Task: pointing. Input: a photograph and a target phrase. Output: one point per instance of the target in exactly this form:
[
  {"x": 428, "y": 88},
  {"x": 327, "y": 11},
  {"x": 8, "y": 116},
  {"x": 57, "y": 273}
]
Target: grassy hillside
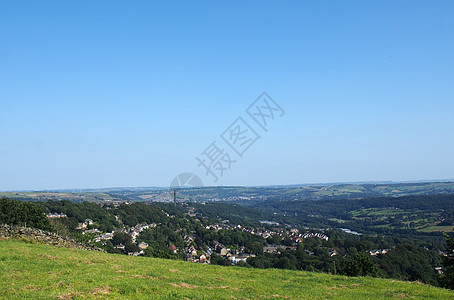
[{"x": 41, "y": 272}]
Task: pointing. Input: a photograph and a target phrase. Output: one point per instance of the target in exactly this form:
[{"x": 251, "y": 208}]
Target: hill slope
[{"x": 38, "y": 271}]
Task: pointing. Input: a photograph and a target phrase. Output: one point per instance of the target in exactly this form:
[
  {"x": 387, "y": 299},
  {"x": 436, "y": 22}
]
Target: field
[
  {"x": 35, "y": 271},
  {"x": 401, "y": 218}
]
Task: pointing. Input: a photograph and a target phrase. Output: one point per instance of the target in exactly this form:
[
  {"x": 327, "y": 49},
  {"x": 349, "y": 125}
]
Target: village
[{"x": 196, "y": 254}]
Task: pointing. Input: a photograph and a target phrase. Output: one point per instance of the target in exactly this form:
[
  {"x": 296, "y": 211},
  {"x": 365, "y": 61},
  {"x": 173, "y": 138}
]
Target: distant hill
[
  {"x": 35, "y": 271},
  {"x": 332, "y": 191}
]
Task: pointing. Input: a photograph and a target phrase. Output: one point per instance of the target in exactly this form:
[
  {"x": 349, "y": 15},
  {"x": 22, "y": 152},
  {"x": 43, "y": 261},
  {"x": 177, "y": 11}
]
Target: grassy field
[
  {"x": 437, "y": 228},
  {"x": 33, "y": 271}
]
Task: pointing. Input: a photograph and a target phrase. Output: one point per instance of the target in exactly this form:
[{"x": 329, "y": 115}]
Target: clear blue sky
[{"x": 112, "y": 93}]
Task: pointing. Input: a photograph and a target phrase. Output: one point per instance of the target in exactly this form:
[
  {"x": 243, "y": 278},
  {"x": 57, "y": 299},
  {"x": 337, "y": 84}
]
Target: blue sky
[{"x": 112, "y": 94}]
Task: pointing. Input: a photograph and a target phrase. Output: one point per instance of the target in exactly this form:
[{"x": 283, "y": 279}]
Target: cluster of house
[
  {"x": 56, "y": 215},
  {"x": 191, "y": 252},
  {"x": 136, "y": 230},
  {"x": 275, "y": 248},
  {"x": 99, "y": 236},
  {"x": 192, "y": 255},
  {"x": 114, "y": 203},
  {"x": 142, "y": 246},
  {"x": 85, "y": 224},
  {"x": 235, "y": 256},
  {"x": 378, "y": 251},
  {"x": 299, "y": 237},
  {"x": 201, "y": 256},
  {"x": 265, "y": 233}
]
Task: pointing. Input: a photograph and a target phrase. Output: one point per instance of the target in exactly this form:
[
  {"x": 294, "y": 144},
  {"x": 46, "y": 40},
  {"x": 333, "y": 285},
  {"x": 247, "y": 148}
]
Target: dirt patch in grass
[
  {"x": 279, "y": 296},
  {"x": 65, "y": 296},
  {"x": 31, "y": 288},
  {"x": 403, "y": 295},
  {"x": 400, "y": 295},
  {"x": 59, "y": 285},
  {"x": 223, "y": 287},
  {"x": 174, "y": 270},
  {"x": 142, "y": 276},
  {"x": 336, "y": 287},
  {"x": 104, "y": 290},
  {"x": 47, "y": 256},
  {"x": 184, "y": 285}
]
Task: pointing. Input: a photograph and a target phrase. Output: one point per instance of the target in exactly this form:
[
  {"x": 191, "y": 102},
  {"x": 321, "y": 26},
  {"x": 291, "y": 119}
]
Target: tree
[
  {"x": 255, "y": 248},
  {"x": 218, "y": 260},
  {"x": 131, "y": 247},
  {"x": 121, "y": 238},
  {"x": 447, "y": 279},
  {"x": 15, "y": 212},
  {"x": 274, "y": 239},
  {"x": 361, "y": 265}
]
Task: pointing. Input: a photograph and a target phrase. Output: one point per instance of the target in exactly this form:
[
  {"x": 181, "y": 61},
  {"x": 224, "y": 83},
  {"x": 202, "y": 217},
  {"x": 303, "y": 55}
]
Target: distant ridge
[{"x": 149, "y": 188}]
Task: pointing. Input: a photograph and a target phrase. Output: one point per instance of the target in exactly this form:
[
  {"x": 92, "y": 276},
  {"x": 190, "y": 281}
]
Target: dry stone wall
[{"x": 41, "y": 236}]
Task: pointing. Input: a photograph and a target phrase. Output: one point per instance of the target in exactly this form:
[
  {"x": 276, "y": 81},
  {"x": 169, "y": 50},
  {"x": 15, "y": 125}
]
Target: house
[
  {"x": 143, "y": 245},
  {"x": 56, "y": 215},
  {"x": 91, "y": 231},
  {"x": 271, "y": 249},
  {"x": 242, "y": 257},
  {"x": 107, "y": 236},
  {"x": 192, "y": 251},
  {"x": 380, "y": 251},
  {"x": 203, "y": 258},
  {"x": 221, "y": 249},
  {"x": 85, "y": 224},
  {"x": 173, "y": 248},
  {"x": 81, "y": 226},
  {"x": 224, "y": 251},
  {"x": 120, "y": 246}
]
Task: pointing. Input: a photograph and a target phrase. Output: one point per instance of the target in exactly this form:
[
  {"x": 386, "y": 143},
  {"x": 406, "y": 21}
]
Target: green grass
[
  {"x": 337, "y": 220},
  {"x": 34, "y": 271},
  {"x": 437, "y": 228}
]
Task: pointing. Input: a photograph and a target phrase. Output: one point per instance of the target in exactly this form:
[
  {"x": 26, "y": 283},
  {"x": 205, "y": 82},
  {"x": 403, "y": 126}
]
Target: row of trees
[{"x": 15, "y": 212}]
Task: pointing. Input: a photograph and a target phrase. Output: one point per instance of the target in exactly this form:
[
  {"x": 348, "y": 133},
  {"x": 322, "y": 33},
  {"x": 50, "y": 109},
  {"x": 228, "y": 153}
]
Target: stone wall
[{"x": 41, "y": 236}]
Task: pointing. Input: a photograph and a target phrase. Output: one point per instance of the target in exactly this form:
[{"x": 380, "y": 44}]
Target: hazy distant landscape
[{"x": 233, "y": 193}]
